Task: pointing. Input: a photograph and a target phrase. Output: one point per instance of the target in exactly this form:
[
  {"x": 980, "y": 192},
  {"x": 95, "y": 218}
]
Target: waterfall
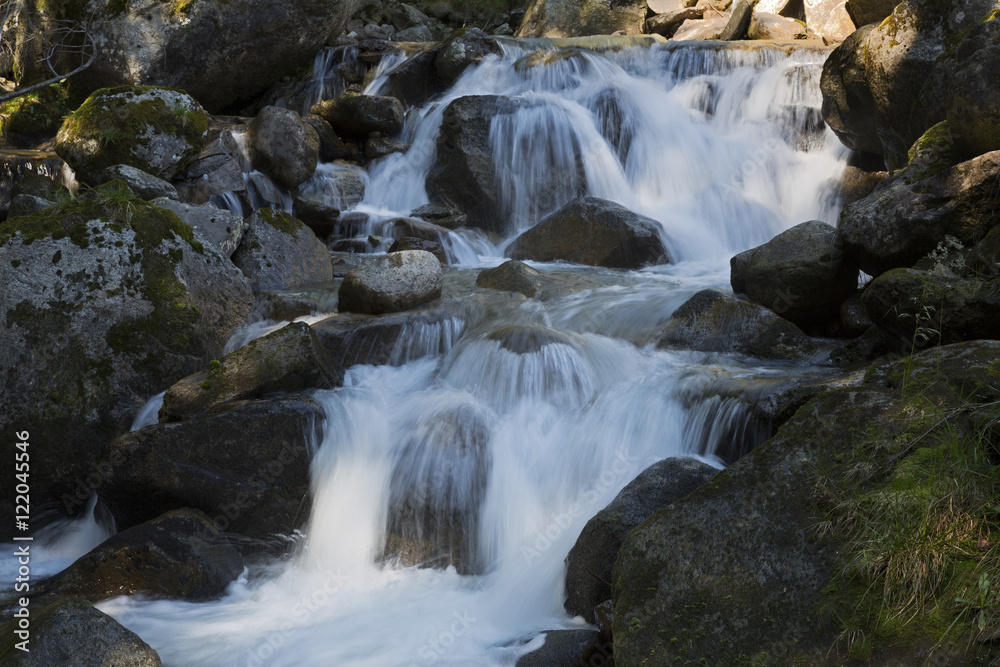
[{"x": 451, "y": 482}]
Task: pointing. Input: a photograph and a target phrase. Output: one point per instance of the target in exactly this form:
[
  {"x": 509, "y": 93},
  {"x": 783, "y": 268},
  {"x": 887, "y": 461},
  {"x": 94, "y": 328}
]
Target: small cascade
[
  {"x": 451, "y": 482},
  {"x": 333, "y": 69}
]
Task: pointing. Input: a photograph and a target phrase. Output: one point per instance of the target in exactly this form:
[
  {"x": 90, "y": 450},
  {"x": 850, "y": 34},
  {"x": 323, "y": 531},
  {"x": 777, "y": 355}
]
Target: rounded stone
[{"x": 390, "y": 283}]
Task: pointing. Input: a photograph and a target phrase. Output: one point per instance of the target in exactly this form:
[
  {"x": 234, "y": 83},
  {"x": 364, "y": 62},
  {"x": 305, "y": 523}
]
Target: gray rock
[
  {"x": 713, "y": 321},
  {"x": 568, "y": 648},
  {"x": 985, "y": 257},
  {"x": 245, "y": 464},
  {"x": 178, "y": 555},
  {"x": 418, "y": 33},
  {"x": 330, "y": 145},
  {"x": 223, "y": 54},
  {"x": 575, "y": 18},
  {"x": 739, "y": 22},
  {"x": 283, "y": 146},
  {"x": 848, "y": 105},
  {"x": 800, "y": 274},
  {"x": 279, "y": 252},
  {"x": 289, "y": 359},
  {"x": 223, "y": 229},
  {"x": 596, "y": 232},
  {"x": 515, "y": 276},
  {"x": 217, "y": 170},
  {"x": 413, "y": 243},
  {"x": 858, "y": 184},
  {"x": 592, "y": 558},
  {"x": 391, "y": 283},
  {"x": 107, "y": 299},
  {"x": 441, "y": 215},
  {"x": 974, "y": 114},
  {"x": 460, "y": 51},
  {"x": 912, "y": 210},
  {"x": 353, "y": 115},
  {"x": 738, "y": 557},
  {"x": 72, "y": 633},
  {"x": 157, "y": 130},
  {"x": 27, "y": 204},
  {"x": 378, "y": 147},
  {"x": 144, "y": 185},
  {"x": 404, "y": 16}
]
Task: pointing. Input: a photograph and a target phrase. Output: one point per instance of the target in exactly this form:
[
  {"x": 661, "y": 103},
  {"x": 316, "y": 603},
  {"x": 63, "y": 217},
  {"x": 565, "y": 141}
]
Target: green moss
[
  {"x": 207, "y": 384},
  {"x": 932, "y": 154},
  {"x": 119, "y": 119},
  {"x": 281, "y": 221}
]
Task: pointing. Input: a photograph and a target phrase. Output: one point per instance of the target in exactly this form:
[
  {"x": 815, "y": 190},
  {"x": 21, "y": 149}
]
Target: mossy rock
[
  {"x": 108, "y": 301},
  {"x": 157, "y": 130},
  {"x": 31, "y": 119}
]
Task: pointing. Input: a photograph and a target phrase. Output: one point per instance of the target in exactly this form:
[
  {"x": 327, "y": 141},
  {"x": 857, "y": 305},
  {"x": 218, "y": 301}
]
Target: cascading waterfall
[{"x": 492, "y": 438}]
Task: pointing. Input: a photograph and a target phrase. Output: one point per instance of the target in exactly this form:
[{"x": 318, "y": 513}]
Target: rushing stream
[{"x": 514, "y": 442}]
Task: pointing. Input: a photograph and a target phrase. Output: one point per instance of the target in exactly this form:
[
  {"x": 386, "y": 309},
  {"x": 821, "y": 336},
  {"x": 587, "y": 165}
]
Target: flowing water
[{"x": 498, "y": 433}]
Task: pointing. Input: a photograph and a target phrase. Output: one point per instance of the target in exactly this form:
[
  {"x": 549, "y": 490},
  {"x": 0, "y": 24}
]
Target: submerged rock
[
  {"x": 596, "y": 232},
  {"x": 713, "y": 321},
  {"x": 289, "y": 359},
  {"x": 515, "y": 276},
  {"x": 437, "y": 488},
  {"x": 71, "y": 633},
  {"x": 178, "y": 555},
  {"x": 390, "y": 283},
  {"x": 157, "y": 130},
  {"x": 245, "y": 464},
  {"x": 592, "y": 558},
  {"x": 283, "y": 146},
  {"x": 279, "y": 252},
  {"x": 800, "y": 274},
  {"x": 107, "y": 299},
  {"x": 385, "y": 339}
]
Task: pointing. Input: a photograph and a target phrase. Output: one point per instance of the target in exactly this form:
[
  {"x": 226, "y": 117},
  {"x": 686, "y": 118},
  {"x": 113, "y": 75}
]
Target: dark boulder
[
  {"x": 279, "y": 252},
  {"x": 713, "y": 321},
  {"x": 592, "y": 558},
  {"x": 287, "y": 360},
  {"x": 245, "y": 464},
  {"x": 462, "y": 50},
  {"x": 178, "y": 555},
  {"x": 800, "y": 274},
  {"x": 357, "y": 116},
  {"x": 569, "y": 648},
  {"x": 283, "y": 146},
  {"x": 596, "y": 232}
]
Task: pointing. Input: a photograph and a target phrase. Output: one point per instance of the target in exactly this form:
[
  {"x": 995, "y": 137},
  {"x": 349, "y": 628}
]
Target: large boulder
[
  {"x": 909, "y": 64},
  {"x": 738, "y": 558},
  {"x": 357, "y": 116},
  {"x": 245, "y": 464},
  {"x": 157, "y": 130},
  {"x": 283, "y": 146},
  {"x": 596, "y": 232},
  {"x": 917, "y": 309},
  {"x": 289, "y": 359},
  {"x": 223, "y": 53},
  {"x": 464, "y": 174},
  {"x": 912, "y": 210},
  {"x": 279, "y": 252},
  {"x": 390, "y": 283},
  {"x": 974, "y": 114},
  {"x": 107, "y": 299},
  {"x": 592, "y": 558},
  {"x": 71, "y": 633},
  {"x": 801, "y": 274},
  {"x": 178, "y": 555},
  {"x": 461, "y": 50},
  {"x": 848, "y": 106},
  {"x": 579, "y": 18},
  {"x": 712, "y": 321}
]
